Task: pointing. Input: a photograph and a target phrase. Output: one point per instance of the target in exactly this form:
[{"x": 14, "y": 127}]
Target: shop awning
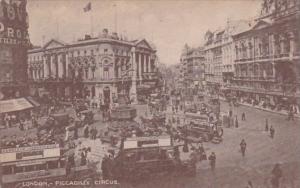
[
  {"x": 13, "y": 105},
  {"x": 33, "y": 102}
]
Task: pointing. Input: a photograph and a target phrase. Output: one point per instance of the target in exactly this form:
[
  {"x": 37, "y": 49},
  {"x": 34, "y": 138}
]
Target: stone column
[
  {"x": 45, "y": 67},
  {"x": 149, "y": 63},
  {"x": 56, "y": 65},
  {"x": 60, "y": 66},
  {"x": 144, "y": 63},
  {"x": 52, "y": 66},
  {"x": 140, "y": 65}
]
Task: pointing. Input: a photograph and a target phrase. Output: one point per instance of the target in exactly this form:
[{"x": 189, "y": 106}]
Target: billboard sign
[{"x": 13, "y": 23}]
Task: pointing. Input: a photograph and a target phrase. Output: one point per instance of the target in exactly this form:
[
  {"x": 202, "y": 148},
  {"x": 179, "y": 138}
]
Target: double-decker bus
[
  {"x": 142, "y": 157},
  {"x": 23, "y": 164}
]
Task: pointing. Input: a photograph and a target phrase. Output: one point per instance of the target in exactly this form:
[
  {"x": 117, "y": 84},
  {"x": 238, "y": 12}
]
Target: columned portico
[{"x": 101, "y": 66}]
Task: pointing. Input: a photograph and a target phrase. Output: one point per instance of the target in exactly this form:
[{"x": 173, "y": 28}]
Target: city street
[
  {"x": 150, "y": 94},
  {"x": 232, "y": 170}
]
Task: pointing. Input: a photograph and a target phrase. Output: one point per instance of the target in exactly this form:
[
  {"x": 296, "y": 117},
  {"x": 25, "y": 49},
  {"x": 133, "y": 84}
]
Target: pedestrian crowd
[{"x": 25, "y": 141}]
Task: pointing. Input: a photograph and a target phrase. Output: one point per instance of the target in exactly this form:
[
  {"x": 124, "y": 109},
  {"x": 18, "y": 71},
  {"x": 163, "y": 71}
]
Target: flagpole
[
  {"x": 92, "y": 26},
  {"x": 116, "y": 18}
]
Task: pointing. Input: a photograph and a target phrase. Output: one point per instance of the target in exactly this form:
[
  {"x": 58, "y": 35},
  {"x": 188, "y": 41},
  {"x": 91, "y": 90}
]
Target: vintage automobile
[
  {"x": 57, "y": 123},
  {"x": 144, "y": 157}
]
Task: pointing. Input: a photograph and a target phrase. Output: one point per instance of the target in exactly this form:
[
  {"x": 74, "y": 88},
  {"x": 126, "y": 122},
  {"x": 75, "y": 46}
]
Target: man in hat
[
  {"x": 243, "y": 147},
  {"x": 272, "y": 132},
  {"x": 243, "y": 116},
  {"x": 86, "y": 131},
  {"x": 236, "y": 122},
  {"x": 212, "y": 160}
]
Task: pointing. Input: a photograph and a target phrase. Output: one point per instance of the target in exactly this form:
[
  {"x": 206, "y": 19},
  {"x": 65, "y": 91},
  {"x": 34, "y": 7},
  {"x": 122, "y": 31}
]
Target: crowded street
[
  {"x": 143, "y": 94},
  {"x": 232, "y": 170},
  {"x": 261, "y": 155}
]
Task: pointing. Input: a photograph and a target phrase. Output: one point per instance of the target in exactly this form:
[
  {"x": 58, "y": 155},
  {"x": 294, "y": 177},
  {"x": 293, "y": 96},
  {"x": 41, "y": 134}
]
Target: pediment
[
  {"x": 54, "y": 44},
  {"x": 143, "y": 44}
]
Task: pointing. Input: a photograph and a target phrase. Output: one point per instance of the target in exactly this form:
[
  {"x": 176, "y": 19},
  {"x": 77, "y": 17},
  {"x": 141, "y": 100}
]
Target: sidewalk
[{"x": 285, "y": 113}]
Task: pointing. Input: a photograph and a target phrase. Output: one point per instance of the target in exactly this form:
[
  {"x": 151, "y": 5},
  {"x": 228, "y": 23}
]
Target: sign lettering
[
  {"x": 13, "y": 24},
  {"x": 32, "y": 148}
]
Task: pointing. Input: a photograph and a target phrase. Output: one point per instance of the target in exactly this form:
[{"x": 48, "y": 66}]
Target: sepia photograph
[{"x": 149, "y": 94}]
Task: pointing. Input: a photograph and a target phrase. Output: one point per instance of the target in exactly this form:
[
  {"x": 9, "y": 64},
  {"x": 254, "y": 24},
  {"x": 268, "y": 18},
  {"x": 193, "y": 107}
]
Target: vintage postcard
[{"x": 149, "y": 94}]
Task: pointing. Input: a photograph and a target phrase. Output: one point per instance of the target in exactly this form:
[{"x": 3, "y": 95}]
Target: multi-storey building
[
  {"x": 213, "y": 58},
  {"x": 192, "y": 67},
  {"x": 219, "y": 54},
  {"x": 267, "y": 56},
  {"x": 14, "y": 42},
  {"x": 228, "y": 56},
  {"x": 98, "y": 68}
]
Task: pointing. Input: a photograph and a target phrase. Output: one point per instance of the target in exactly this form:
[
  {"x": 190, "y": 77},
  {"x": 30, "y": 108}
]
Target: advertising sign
[
  {"x": 29, "y": 153},
  {"x": 13, "y": 23}
]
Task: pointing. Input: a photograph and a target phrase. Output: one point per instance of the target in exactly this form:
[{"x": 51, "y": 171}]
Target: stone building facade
[
  {"x": 213, "y": 59},
  {"x": 98, "y": 68},
  {"x": 191, "y": 67},
  {"x": 267, "y": 64},
  {"x": 220, "y": 56}
]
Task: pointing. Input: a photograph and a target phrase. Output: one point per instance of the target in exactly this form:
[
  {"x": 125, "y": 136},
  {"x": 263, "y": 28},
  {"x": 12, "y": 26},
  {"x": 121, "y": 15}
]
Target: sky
[{"x": 169, "y": 24}]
